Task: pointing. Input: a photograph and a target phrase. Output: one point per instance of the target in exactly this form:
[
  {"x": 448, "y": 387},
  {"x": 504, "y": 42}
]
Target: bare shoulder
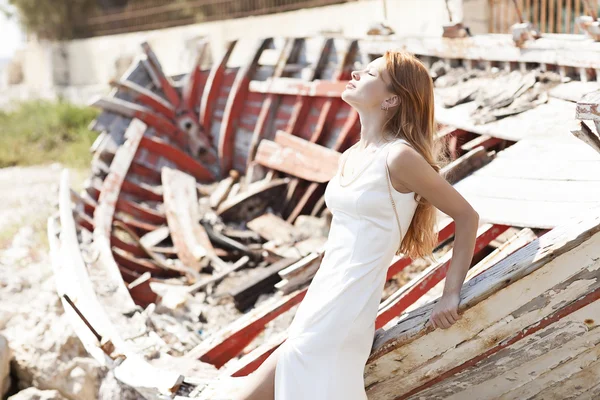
[{"x": 402, "y": 155}]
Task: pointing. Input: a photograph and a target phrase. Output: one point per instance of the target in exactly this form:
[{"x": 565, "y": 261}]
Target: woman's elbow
[{"x": 469, "y": 216}]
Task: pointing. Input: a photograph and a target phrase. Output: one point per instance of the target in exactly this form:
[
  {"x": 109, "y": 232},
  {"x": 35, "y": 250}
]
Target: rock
[
  {"x": 4, "y": 366},
  {"x": 36, "y": 394},
  {"x": 50, "y": 356},
  {"x": 111, "y": 388}
]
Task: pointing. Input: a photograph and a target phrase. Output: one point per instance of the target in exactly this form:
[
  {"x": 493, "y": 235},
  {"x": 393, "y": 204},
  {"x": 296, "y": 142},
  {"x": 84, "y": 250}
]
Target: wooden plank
[
  {"x": 213, "y": 88},
  {"x": 141, "y": 211},
  {"x": 482, "y": 140},
  {"x": 566, "y": 50},
  {"x": 184, "y": 161},
  {"x": 514, "y": 243},
  {"x": 531, "y": 359},
  {"x": 551, "y": 15},
  {"x": 229, "y": 343},
  {"x": 105, "y": 211},
  {"x": 533, "y": 169},
  {"x": 326, "y": 117},
  {"x": 533, "y": 190},
  {"x": 553, "y": 118},
  {"x": 529, "y": 290},
  {"x": 573, "y": 91},
  {"x": 417, "y": 287},
  {"x": 196, "y": 79},
  {"x": 551, "y": 150},
  {"x": 589, "y": 106},
  {"x": 466, "y": 164},
  {"x": 299, "y": 87},
  {"x": 145, "y": 114},
  {"x": 252, "y": 202},
  {"x": 245, "y": 295},
  {"x": 222, "y": 346},
  {"x": 188, "y": 235},
  {"x": 235, "y": 103},
  {"x": 272, "y": 227},
  {"x": 346, "y": 131},
  {"x": 298, "y": 157},
  {"x": 72, "y": 280},
  {"x": 522, "y": 213},
  {"x": 140, "y": 94},
  {"x": 586, "y": 135},
  {"x": 570, "y": 378},
  {"x": 287, "y": 53}
]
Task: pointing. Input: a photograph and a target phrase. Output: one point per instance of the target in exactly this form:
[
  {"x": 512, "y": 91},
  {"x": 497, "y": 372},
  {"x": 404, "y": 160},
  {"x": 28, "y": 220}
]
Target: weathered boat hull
[{"x": 226, "y": 135}]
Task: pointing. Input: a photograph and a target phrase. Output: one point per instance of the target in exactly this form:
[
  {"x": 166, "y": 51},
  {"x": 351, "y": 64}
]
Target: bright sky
[{"x": 11, "y": 34}]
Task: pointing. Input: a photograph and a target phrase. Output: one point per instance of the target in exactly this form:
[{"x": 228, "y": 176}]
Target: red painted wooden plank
[
  {"x": 156, "y": 71},
  {"x": 349, "y": 128},
  {"x": 296, "y": 86},
  {"x": 144, "y": 192},
  {"x": 214, "y": 83},
  {"x": 105, "y": 210},
  {"x": 234, "y": 107},
  {"x": 228, "y": 343},
  {"x": 589, "y": 298},
  {"x": 149, "y": 117},
  {"x": 224, "y": 345},
  {"x": 141, "y": 212},
  {"x": 413, "y": 291},
  {"x": 183, "y": 161},
  {"x": 140, "y": 94},
  {"x": 287, "y": 51},
  {"x": 196, "y": 79}
]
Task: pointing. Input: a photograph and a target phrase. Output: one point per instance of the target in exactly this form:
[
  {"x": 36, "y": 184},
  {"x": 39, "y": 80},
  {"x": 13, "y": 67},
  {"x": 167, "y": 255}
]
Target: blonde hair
[{"x": 413, "y": 120}]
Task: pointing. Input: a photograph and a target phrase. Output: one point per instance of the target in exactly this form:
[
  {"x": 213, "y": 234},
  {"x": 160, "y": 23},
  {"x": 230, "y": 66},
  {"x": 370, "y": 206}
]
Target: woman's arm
[{"x": 411, "y": 171}]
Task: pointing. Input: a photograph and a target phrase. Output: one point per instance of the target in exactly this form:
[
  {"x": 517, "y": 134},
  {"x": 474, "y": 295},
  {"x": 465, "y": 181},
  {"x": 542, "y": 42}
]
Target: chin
[{"x": 346, "y": 97}]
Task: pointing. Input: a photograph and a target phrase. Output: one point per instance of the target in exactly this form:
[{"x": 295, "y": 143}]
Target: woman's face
[{"x": 368, "y": 88}]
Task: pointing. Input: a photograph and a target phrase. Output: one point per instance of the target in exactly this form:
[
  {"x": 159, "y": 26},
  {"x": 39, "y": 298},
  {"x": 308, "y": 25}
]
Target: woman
[{"x": 383, "y": 199}]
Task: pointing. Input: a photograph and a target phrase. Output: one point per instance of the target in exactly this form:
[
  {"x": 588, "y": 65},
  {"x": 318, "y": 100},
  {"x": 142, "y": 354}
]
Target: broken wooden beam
[
  {"x": 188, "y": 235},
  {"x": 500, "y": 308},
  {"x": 298, "y": 157}
]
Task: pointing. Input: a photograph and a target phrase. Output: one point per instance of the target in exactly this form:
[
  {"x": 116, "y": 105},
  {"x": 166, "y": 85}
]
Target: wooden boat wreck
[{"x": 203, "y": 221}]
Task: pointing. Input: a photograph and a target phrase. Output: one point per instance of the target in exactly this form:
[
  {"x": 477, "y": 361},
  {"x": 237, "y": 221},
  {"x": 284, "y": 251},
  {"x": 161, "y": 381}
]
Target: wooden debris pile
[
  {"x": 496, "y": 93},
  {"x": 204, "y": 220}
]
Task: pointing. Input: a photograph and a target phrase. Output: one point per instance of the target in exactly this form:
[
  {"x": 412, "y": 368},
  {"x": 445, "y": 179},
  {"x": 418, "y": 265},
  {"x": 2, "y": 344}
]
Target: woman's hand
[{"x": 445, "y": 312}]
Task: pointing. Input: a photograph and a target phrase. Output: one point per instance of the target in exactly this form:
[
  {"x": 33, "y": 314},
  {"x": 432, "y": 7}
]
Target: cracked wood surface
[{"x": 520, "y": 298}]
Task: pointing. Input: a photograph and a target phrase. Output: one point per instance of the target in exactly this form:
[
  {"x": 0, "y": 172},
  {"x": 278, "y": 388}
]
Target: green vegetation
[
  {"x": 55, "y": 19},
  {"x": 39, "y": 132}
]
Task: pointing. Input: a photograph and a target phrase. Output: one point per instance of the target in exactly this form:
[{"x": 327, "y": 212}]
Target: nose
[{"x": 354, "y": 75}]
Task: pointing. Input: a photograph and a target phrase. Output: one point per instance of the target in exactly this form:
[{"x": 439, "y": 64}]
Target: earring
[{"x": 384, "y": 107}]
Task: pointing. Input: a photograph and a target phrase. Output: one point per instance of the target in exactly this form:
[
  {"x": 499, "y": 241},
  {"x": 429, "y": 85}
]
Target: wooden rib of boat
[{"x": 205, "y": 186}]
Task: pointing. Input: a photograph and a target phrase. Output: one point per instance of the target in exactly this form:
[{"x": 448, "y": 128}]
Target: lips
[{"x": 350, "y": 85}]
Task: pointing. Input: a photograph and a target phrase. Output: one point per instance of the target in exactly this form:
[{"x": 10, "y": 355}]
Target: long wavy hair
[{"x": 413, "y": 121}]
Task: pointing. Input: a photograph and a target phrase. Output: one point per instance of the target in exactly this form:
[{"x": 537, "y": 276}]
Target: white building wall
[{"x": 92, "y": 63}]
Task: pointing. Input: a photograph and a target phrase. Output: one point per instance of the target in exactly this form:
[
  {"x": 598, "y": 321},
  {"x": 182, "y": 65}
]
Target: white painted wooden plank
[
  {"x": 573, "y": 91},
  {"x": 535, "y": 356},
  {"x": 525, "y": 213},
  {"x": 533, "y": 169},
  {"x": 567, "y": 379},
  {"x": 530, "y": 189},
  {"x": 405, "y": 358},
  {"x": 554, "y": 118},
  {"x": 555, "y": 49},
  {"x": 542, "y": 149}
]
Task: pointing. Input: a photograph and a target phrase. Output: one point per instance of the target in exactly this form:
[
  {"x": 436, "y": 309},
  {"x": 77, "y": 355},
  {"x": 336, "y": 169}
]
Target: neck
[{"x": 371, "y": 128}]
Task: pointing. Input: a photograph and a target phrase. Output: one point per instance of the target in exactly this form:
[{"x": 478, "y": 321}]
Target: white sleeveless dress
[{"x": 330, "y": 337}]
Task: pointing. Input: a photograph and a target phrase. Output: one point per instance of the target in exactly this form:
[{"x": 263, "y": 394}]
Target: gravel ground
[{"x": 45, "y": 352}]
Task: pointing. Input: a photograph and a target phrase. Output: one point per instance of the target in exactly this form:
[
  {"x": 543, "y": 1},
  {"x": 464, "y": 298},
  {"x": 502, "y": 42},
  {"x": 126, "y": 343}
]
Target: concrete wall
[
  {"x": 476, "y": 15},
  {"x": 91, "y": 63}
]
